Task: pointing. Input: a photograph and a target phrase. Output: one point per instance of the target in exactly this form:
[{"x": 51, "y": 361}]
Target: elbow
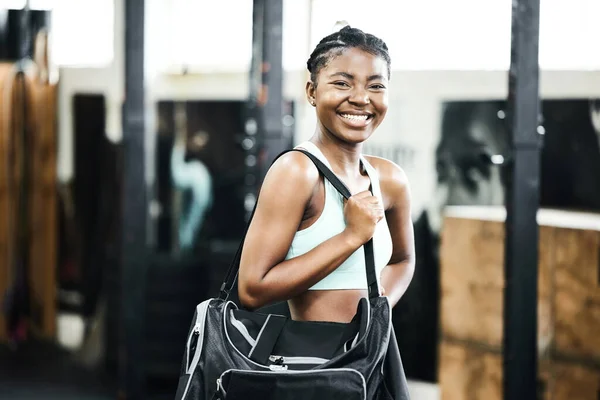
[
  {"x": 248, "y": 301},
  {"x": 249, "y": 297}
]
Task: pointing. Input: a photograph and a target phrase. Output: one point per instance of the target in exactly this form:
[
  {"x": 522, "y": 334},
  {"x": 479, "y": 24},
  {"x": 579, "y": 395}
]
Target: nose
[{"x": 359, "y": 96}]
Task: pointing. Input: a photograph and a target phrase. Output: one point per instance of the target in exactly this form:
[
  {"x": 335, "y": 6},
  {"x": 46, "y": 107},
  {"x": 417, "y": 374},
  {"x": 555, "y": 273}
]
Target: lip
[
  {"x": 356, "y": 123},
  {"x": 356, "y": 112}
]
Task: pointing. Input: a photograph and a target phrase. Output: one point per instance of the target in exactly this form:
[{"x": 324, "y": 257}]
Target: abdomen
[{"x": 326, "y": 305}]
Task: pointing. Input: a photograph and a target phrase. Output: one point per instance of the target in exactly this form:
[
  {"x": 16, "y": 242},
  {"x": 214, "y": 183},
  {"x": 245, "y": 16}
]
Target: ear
[{"x": 311, "y": 90}]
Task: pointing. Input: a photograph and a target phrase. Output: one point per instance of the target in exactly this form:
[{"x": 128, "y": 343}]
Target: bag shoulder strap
[{"x": 372, "y": 283}]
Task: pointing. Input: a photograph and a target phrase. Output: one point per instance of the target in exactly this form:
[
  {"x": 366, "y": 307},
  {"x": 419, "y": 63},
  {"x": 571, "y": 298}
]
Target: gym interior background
[{"x": 76, "y": 184}]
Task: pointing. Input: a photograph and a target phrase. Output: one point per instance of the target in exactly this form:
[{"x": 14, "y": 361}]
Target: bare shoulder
[
  {"x": 389, "y": 171},
  {"x": 392, "y": 179},
  {"x": 284, "y": 195},
  {"x": 295, "y": 168},
  {"x": 292, "y": 174}
]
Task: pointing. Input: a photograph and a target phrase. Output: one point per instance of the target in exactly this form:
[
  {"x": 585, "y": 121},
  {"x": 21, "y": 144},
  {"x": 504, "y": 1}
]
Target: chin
[
  {"x": 348, "y": 135},
  {"x": 355, "y": 137}
]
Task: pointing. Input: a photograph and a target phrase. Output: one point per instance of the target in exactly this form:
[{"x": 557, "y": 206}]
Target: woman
[{"x": 304, "y": 244}]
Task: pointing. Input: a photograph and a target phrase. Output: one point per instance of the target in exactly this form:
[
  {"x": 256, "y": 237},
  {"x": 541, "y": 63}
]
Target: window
[
  {"x": 428, "y": 34},
  {"x": 199, "y": 34},
  {"x": 82, "y": 31},
  {"x": 467, "y": 34},
  {"x": 204, "y": 35}
]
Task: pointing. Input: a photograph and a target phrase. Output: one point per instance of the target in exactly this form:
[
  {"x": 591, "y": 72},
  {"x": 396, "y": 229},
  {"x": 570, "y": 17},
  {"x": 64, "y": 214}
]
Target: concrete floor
[
  {"x": 43, "y": 371},
  {"x": 423, "y": 391}
]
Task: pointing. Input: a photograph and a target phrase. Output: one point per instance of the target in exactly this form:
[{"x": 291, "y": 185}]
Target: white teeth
[{"x": 355, "y": 117}]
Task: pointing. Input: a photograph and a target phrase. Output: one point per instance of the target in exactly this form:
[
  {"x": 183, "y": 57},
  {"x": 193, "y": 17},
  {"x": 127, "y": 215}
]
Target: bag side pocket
[
  {"x": 193, "y": 350},
  {"x": 331, "y": 384}
]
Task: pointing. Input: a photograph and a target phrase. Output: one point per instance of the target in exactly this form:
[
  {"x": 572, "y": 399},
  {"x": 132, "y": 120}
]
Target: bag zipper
[
  {"x": 280, "y": 360},
  {"x": 293, "y": 372},
  {"x": 197, "y": 332},
  {"x": 266, "y": 367}
]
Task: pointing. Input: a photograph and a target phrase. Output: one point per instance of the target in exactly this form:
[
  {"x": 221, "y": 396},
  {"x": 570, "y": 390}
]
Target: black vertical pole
[
  {"x": 131, "y": 363},
  {"x": 264, "y": 136},
  {"x": 272, "y": 80},
  {"x": 522, "y": 201},
  {"x": 251, "y": 141},
  {"x": 258, "y": 7}
]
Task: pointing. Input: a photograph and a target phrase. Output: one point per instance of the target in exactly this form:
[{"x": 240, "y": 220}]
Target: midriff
[{"x": 326, "y": 305}]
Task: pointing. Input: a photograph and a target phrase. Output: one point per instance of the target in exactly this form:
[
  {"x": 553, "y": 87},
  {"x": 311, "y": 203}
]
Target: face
[{"x": 350, "y": 95}]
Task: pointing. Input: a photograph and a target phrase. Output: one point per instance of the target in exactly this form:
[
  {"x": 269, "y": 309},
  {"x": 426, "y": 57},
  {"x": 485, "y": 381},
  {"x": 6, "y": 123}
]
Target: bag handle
[{"x": 232, "y": 273}]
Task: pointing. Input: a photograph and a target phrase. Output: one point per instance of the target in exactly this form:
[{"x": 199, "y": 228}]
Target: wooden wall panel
[
  {"x": 577, "y": 299},
  {"x": 5, "y": 255},
  {"x": 43, "y": 210},
  {"x": 41, "y": 111},
  {"x": 469, "y": 374},
  {"x": 472, "y": 279},
  {"x": 472, "y": 282},
  {"x": 10, "y": 157},
  {"x": 475, "y": 373},
  {"x": 571, "y": 381}
]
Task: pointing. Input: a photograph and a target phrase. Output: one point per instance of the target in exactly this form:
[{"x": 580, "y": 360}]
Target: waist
[{"x": 326, "y": 305}]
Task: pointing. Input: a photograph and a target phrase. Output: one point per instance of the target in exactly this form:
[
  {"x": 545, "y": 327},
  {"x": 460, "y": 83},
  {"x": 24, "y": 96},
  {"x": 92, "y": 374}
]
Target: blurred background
[{"x": 133, "y": 140}]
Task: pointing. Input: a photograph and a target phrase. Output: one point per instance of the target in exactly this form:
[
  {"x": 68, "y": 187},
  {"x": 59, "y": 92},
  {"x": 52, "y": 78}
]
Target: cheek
[
  {"x": 330, "y": 98},
  {"x": 382, "y": 105},
  {"x": 327, "y": 103}
]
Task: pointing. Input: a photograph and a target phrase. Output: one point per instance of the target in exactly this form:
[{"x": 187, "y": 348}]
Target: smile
[
  {"x": 355, "y": 117},
  {"x": 357, "y": 120}
]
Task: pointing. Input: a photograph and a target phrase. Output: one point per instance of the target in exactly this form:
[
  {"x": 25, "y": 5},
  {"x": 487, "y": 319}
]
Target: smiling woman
[
  {"x": 306, "y": 244},
  {"x": 314, "y": 258},
  {"x": 331, "y": 236}
]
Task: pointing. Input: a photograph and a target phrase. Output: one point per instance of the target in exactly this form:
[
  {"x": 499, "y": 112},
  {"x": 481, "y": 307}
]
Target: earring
[{"x": 312, "y": 102}]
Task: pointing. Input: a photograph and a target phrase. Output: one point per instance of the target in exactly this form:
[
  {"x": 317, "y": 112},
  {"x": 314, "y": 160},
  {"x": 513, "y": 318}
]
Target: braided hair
[{"x": 333, "y": 45}]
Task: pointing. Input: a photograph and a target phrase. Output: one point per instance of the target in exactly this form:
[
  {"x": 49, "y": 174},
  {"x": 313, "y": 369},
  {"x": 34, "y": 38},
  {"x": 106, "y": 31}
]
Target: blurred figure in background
[{"x": 192, "y": 177}]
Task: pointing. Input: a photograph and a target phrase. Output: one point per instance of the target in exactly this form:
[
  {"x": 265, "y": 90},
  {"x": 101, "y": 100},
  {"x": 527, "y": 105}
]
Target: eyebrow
[{"x": 349, "y": 76}]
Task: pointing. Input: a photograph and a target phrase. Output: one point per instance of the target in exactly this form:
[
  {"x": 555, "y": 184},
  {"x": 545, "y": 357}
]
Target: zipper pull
[
  {"x": 193, "y": 345},
  {"x": 220, "y": 391},
  {"x": 276, "y": 360}
]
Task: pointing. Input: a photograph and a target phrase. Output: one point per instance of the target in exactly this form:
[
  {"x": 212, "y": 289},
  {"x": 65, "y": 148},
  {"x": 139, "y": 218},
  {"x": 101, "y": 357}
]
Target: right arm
[{"x": 265, "y": 276}]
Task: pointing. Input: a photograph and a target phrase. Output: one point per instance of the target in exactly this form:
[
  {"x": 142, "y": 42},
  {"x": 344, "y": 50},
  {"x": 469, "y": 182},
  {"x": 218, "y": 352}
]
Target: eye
[
  {"x": 378, "y": 86},
  {"x": 341, "y": 84}
]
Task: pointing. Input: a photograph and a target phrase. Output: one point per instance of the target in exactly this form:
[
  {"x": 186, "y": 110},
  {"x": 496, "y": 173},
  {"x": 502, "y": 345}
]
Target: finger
[
  {"x": 362, "y": 195},
  {"x": 369, "y": 201},
  {"x": 375, "y": 205},
  {"x": 374, "y": 200},
  {"x": 378, "y": 214}
]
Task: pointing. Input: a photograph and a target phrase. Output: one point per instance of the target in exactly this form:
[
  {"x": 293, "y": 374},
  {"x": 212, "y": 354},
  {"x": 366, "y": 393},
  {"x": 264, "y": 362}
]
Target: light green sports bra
[{"x": 351, "y": 273}]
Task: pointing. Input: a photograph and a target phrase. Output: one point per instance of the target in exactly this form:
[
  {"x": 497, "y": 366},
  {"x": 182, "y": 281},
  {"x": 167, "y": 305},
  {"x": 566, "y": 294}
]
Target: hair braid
[{"x": 333, "y": 45}]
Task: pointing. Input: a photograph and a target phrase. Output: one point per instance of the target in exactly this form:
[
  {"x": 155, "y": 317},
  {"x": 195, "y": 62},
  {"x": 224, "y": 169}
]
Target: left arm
[{"x": 397, "y": 275}]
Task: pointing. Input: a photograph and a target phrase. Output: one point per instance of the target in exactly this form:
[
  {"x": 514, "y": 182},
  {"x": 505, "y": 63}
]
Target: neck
[{"x": 344, "y": 157}]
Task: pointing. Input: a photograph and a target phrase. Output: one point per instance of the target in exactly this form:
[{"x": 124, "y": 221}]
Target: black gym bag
[{"x": 234, "y": 354}]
